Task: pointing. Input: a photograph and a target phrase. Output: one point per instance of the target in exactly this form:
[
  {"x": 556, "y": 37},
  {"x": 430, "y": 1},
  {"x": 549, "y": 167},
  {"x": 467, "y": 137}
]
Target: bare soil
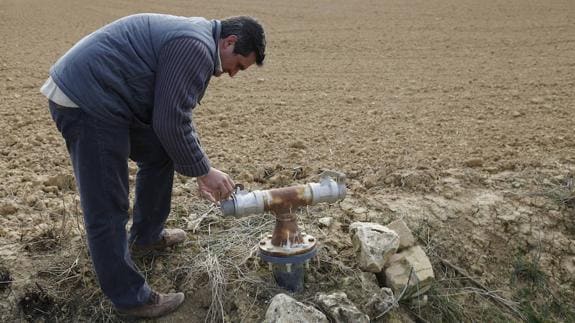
[{"x": 457, "y": 116}]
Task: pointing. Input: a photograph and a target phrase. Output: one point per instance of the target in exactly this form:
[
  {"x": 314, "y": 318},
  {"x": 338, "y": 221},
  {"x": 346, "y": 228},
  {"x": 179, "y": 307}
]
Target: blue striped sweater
[{"x": 146, "y": 70}]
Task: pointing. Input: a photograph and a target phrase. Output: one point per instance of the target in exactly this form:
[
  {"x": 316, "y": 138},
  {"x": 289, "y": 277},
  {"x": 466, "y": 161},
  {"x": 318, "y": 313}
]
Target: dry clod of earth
[{"x": 8, "y": 208}]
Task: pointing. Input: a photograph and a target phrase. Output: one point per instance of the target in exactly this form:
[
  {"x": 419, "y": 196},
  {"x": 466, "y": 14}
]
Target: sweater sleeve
[{"x": 184, "y": 69}]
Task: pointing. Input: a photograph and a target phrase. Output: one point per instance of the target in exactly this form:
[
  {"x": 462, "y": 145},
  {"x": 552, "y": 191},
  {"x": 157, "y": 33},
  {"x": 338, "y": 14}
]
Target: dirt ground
[{"x": 455, "y": 115}]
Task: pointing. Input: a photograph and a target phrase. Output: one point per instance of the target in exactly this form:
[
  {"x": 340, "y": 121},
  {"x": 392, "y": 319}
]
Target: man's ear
[{"x": 230, "y": 40}]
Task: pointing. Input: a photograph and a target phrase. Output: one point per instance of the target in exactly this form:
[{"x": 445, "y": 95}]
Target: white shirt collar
[{"x": 218, "y": 68}]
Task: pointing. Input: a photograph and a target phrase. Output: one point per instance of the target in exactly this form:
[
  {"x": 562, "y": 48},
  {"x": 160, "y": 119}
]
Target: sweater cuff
[{"x": 200, "y": 168}]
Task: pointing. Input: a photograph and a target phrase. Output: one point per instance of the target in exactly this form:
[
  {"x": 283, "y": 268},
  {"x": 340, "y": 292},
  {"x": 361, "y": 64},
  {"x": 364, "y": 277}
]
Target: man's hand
[{"x": 215, "y": 185}]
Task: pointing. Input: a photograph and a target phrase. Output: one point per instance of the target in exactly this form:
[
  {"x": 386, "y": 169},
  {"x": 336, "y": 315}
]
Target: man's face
[{"x": 233, "y": 63}]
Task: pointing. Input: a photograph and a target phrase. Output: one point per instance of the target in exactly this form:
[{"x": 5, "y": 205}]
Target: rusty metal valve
[
  {"x": 287, "y": 250},
  {"x": 330, "y": 189}
]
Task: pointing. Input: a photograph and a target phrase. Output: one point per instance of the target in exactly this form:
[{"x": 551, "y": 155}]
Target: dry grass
[
  {"x": 65, "y": 288},
  {"x": 225, "y": 252},
  {"x": 456, "y": 296},
  {"x": 561, "y": 192},
  {"x": 537, "y": 299}
]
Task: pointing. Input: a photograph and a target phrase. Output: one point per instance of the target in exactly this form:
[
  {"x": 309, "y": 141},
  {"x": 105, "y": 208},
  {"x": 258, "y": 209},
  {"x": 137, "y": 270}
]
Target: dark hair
[{"x": 251, "y": 36}]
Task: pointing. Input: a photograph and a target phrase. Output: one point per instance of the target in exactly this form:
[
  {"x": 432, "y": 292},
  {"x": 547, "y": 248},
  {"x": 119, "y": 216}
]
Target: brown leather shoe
[
  {"x": 158, "y": 305},
  {"x": 168, "y": 238}
]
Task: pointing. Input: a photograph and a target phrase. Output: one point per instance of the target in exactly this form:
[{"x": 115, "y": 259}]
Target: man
[{"x": 127, "y": 91}]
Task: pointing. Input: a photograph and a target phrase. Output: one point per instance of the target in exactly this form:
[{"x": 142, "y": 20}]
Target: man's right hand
[{"x": 215, "y": 185}]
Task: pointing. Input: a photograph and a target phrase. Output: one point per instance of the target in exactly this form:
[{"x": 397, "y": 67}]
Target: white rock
[
  {"x": 406, "y": 238},
  {"x": 284, "y": 309},
  {"x": 339, "y": 308},
  {"x": 373, "y": 244},
  {"x": 399, "y": 267},
  {"x": 326, "y": 222}
]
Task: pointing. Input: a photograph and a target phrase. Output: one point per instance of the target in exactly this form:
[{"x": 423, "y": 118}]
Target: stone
[
  {"x": 285, "y": 309},
  {"x": 373, "y": 244},
  {"x": 339, "y": 308},
  {"x": 406, "y": 238},
  {"x": 326, "y": 222},
  {"x": 399, "y": 267},
  {"x": 380, "y": 302}
]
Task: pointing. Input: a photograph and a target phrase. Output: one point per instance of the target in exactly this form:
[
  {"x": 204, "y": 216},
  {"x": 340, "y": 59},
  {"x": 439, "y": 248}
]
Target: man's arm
[{"x": 184, "y": 68}]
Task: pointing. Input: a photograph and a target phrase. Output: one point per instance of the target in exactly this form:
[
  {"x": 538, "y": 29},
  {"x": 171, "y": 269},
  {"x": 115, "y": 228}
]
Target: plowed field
[{"x": 457, "y": 116}]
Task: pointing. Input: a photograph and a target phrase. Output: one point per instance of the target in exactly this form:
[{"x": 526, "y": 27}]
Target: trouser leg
[
  {"x": 99, "y": 155},
  {"x": 154, "y": 182}
]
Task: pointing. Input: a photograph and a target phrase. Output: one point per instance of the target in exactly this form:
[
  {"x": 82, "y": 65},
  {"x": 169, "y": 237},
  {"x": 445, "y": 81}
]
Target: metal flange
[
  {"x": 308, "y": 243},
  {"x": 296, "y": 259}
]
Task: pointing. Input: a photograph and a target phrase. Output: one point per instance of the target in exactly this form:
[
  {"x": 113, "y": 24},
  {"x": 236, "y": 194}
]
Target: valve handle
[{"x": 238, "y": 188}]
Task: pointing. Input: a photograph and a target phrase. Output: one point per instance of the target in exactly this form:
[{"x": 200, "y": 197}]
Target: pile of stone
[
  {"x": 388, "y": 252},
  {"x": 392, "y": 254}
]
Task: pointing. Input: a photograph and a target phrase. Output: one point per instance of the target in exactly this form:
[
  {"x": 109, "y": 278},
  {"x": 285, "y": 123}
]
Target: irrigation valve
[{"x": 287, "y": 250}]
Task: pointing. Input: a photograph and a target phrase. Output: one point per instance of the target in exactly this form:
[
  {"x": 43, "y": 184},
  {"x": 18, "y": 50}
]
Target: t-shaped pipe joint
[
  {"x": 283, "y": 202},
  {"x": 331, "y": 188},
  {"x": 287, "y": 249}
]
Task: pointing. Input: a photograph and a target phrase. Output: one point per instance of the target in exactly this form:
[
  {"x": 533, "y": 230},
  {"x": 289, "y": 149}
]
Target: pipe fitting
[{"x": 331, "y": 188}]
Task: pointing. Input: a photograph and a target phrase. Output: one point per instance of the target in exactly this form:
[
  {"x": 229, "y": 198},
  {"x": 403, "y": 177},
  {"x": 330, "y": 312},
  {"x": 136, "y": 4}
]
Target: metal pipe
[{"x": 330, "y": 189}]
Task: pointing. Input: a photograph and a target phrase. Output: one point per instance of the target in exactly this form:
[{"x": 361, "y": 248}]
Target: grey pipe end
[{"x": 228, "y": 207}]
